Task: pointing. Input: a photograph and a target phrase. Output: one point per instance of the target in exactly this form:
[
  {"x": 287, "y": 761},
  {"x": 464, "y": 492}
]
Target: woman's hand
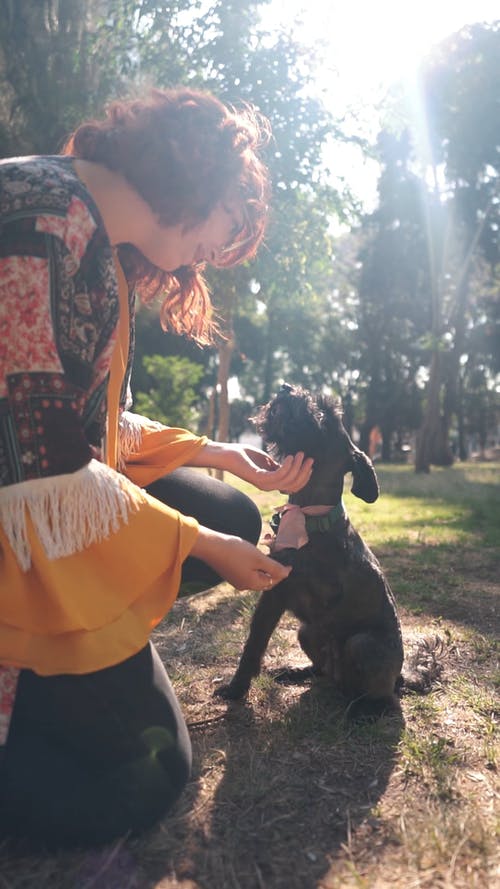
[
  {"x": 255, "y": 466},
  {"x": 237, "y": 561},
  {"x": 267, "y": 475}
]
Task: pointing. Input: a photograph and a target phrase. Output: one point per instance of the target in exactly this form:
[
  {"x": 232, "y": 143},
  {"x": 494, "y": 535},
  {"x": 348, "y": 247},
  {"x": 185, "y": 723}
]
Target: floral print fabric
[
  {"x": 8, "y": 685},
  {"x": 58, "y": 317}
]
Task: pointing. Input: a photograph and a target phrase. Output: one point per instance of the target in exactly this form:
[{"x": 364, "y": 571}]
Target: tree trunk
[
  {"x": 387, "y": 431},
  {"x": 453, "y": 394},
  {"x": 268, "y": 359},
  {"x": 225, "y": 352},
  {"x": 364, "y": 436},
  {"x": 432, "y": 438},
  {"x": 425, "y": 433}
]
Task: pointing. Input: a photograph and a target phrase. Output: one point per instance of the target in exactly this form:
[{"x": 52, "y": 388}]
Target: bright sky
[{"x": 371, "y": 44}]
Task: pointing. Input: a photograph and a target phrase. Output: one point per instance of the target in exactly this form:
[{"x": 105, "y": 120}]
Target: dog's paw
[
  {"x": 232, "y": 691},
  {"x": 366, "y": 709},
  {"x": 294, "y": 675}
]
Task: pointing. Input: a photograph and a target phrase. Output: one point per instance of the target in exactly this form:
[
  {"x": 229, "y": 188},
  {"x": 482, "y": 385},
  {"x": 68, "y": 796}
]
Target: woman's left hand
[
  {"x": 287, "y": 477},
  {"x": 255, "y": 466}
]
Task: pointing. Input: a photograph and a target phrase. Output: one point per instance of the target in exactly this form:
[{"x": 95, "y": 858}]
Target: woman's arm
[
  {"x": 254, "y": 466},
  {"x": 237, "y": 561}
]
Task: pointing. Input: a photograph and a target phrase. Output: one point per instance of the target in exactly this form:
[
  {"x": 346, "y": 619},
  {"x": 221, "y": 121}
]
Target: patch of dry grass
[{"x": 287, "y": 793}]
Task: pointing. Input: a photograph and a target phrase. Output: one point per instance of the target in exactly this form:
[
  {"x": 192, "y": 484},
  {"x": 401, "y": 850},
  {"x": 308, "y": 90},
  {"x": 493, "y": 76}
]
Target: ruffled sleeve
[
  {"x": 89, "y": 599},
  {"x": 148, "y": 450}
]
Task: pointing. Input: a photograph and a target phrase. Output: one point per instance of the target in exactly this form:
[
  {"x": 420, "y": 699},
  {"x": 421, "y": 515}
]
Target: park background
[{"x": 378, "y": 282}]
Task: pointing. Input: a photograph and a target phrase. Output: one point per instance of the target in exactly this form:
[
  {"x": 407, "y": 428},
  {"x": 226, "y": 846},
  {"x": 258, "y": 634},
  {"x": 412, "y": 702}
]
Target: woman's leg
[
  {"x": 92, "y": 757},
  {"x": 215, "y": 504}
]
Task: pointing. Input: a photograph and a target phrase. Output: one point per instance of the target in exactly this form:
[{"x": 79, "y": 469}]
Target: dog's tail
[{"x": 423, "y": 667}]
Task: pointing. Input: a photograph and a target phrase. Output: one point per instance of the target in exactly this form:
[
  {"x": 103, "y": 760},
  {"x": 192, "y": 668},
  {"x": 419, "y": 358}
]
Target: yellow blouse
[{"x": 89, "y": 562}]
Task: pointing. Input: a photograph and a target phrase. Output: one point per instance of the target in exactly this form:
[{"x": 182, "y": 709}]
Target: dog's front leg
[{"x": 270, "y": 607}]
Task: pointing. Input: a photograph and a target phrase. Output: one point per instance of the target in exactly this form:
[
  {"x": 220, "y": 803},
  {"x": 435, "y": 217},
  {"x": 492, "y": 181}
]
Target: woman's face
[{"x": 169, "y": 247}]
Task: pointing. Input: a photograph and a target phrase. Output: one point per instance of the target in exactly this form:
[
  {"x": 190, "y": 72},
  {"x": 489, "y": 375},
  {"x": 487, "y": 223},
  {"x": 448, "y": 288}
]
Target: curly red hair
[{"x": 184, "y": 152}]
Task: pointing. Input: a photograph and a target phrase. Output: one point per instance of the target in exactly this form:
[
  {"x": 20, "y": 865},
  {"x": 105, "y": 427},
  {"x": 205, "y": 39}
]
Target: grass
[{"x": 286, "y": 792}]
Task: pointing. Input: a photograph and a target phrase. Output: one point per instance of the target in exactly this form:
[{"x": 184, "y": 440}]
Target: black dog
[{"x": 349, "y": 624}]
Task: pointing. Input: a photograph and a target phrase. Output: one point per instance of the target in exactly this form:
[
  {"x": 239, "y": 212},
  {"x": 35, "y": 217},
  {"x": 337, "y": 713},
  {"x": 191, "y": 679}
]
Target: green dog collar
[
  {"x": 324, "y": 522},
  {"x": 320, "y": 523}
]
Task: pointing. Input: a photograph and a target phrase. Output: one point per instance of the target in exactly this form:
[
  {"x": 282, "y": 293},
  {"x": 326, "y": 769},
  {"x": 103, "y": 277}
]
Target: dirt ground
[{"x": 289, "y": 795}]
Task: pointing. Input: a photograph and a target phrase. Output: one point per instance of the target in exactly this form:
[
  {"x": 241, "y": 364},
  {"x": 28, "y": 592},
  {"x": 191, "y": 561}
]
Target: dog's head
[{"x": 294, "y": 420}]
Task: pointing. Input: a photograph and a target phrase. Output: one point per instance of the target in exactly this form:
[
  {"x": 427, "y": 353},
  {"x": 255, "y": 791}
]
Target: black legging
[
  {"x": 90, "y": 758},
  {"x": 215, "y": 504}
]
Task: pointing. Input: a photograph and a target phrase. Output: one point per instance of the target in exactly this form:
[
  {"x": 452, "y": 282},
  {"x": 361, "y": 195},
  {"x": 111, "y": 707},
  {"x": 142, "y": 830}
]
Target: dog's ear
[{"x": 364, "y": 478}]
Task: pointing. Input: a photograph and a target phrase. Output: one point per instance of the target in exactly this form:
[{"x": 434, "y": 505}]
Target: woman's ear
[{"x": 364, "y": 479}]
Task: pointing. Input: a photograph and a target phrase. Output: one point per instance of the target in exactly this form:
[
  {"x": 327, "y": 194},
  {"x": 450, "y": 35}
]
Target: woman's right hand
[{"x": 237, "y": 561}]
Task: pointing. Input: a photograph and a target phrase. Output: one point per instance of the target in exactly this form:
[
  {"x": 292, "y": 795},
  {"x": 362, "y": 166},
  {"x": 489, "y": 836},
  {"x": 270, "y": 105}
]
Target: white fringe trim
[
  {"x": 131, "y": 427},
  {"x": 69, "y": 512}
]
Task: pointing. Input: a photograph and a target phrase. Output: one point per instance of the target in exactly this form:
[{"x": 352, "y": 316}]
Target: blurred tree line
[{"x": 400, "y": 316}]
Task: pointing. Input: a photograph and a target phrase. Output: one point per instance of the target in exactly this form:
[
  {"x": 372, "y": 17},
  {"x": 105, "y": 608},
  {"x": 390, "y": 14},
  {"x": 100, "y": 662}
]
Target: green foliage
[
  {"x": 172, "y": 392},
  {"x": 432, "y": 760},
  {"x": 151, "y": 339},
  {"x": 460, "y": 84},
  {"x": 59, "y": 62}
]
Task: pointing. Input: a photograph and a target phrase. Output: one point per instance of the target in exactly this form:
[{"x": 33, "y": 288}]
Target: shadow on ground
[{"x": 288, "y": 792}]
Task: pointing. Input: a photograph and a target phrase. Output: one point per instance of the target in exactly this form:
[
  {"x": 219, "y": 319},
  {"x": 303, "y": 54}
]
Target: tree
[
  {"x": 460, "y": 90},
  {"x": 60, "y": 60},
  {"x": 172, "y": 394},
  {"x": 481, "y": 409},
  {"x": 393, "y": 292}
]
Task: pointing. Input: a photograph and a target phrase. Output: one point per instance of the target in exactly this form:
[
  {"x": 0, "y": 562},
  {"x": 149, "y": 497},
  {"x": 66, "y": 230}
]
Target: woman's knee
[
  {"x": 248, "y": 519},
  {"x": 61, "y": 786},
  {"x": 50, "y": 800},
  {"x": 214, "y": 503}
]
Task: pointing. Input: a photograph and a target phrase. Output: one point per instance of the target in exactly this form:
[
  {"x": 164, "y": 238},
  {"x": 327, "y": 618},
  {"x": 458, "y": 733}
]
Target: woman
[{"x": 93, "y": 741}]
